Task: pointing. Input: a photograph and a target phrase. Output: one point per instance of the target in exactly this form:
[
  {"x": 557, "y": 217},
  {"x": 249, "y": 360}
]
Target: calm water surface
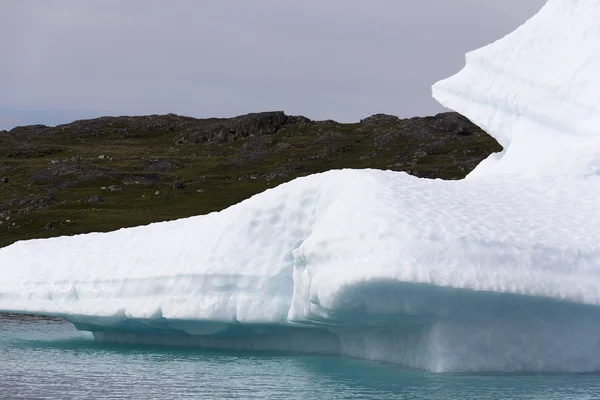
[{"x": 41, "y": 359}]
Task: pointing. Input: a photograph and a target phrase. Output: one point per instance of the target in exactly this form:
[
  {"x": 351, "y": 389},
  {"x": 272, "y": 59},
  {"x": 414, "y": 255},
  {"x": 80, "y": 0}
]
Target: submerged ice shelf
[{"x": 497, "y": 272}]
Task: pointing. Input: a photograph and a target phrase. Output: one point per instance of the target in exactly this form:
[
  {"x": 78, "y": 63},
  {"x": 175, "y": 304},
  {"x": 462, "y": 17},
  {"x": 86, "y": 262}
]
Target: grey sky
[{"x": 338, "y": 59}]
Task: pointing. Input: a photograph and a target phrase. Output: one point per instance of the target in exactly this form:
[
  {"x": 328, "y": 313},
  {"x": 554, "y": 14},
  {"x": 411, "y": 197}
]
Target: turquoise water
[{"x": 45, "y": 359}]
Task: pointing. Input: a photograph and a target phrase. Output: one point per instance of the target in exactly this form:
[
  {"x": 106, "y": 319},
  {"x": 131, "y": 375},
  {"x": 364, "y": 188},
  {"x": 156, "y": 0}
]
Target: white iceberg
[{"x": 496, "y": 272}]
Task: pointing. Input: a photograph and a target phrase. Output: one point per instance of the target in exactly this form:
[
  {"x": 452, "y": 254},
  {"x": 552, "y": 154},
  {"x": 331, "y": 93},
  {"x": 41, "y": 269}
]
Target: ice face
[
  {"x": 500, "y": 271},
  {"x": 534, "y": 90},
  {"x": 447, "y": 276}
]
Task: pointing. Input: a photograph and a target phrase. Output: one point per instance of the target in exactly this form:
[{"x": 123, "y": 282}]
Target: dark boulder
[
  {"x": 52, "y": 225},
  {"x": 96, "y": 199}
]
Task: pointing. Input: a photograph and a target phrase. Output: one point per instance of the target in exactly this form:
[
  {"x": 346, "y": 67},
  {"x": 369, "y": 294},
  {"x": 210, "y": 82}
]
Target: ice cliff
[
  {"x": 535, "y": 90},
  {"x": 497, "y": 272}
]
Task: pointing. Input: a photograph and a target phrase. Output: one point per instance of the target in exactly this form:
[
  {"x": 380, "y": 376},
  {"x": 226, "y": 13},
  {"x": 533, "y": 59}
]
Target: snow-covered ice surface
[
  {"x": 497, "y": 272},
  {"x": 535, "y": 90}
]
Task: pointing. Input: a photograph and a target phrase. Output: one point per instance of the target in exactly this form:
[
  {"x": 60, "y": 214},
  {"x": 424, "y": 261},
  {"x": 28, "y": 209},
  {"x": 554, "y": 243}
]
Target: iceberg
[{"x": 496, "y": 272}]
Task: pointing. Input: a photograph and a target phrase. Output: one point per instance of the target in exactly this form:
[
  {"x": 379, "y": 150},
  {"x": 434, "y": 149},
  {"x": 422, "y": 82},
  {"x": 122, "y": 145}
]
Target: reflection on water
[{"x": 48, "y": 358}]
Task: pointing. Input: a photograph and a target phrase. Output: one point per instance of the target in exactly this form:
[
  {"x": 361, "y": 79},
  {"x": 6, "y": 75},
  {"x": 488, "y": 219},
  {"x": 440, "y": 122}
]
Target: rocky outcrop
[
  {"x": 242, "y": 127},
  {"x": 187, "y": 129}
]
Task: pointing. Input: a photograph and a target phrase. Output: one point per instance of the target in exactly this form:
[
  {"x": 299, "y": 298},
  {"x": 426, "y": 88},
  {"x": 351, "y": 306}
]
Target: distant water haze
[{"x": 335, "y": 59}]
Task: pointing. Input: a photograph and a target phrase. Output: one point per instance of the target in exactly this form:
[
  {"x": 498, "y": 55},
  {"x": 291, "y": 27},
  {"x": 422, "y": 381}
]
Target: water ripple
[{"x": 48, "y": 359}]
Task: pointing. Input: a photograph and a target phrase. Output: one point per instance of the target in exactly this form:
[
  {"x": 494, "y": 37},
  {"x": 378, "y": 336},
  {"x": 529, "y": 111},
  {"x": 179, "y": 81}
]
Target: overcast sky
[{"x": 338, "y": 59}]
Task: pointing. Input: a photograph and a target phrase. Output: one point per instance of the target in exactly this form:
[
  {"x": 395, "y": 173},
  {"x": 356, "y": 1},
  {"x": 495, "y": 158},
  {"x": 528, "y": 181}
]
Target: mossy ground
[{"x": 216, "y": 175}]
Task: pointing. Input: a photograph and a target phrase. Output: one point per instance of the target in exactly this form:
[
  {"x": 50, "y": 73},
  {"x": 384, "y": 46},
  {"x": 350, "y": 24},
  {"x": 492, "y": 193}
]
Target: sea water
[{"x": 49, "y": 359}]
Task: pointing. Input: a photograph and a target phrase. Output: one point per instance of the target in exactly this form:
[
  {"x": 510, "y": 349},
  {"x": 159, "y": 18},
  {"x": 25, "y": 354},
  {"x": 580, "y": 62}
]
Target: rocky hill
[{"x": 106, "y": 173}]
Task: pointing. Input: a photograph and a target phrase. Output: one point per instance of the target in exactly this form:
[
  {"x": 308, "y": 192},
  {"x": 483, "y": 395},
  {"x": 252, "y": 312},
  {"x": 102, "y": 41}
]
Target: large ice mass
[{"x": 497, "y": 272}]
